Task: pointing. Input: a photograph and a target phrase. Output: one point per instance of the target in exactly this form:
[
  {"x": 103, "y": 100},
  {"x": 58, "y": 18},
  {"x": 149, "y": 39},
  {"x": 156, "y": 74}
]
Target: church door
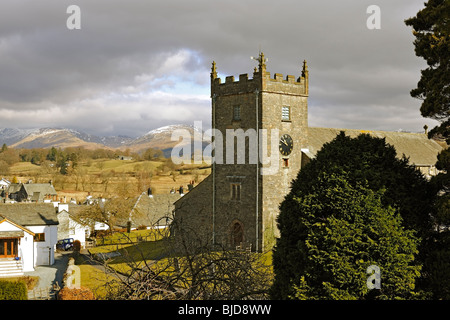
[{"x": 237, "y": 234}]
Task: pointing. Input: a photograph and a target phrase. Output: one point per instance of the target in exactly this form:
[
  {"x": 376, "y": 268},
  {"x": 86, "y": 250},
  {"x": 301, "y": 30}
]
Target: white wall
[
  {"x": 44, "y": 251},
  {"x": 26, "y": 252},
  {"x": 25, "y": 246},
  {"x": 77, "y": 231}
]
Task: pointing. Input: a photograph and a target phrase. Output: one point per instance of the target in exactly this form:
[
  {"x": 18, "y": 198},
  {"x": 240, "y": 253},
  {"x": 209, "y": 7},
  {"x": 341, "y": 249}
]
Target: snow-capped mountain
[
  {"x": 167, "y": 137},
  {"x": 54, "y": 137},
  {"x": 159, "y": 138},
  {"x": 10, "y": 136}
]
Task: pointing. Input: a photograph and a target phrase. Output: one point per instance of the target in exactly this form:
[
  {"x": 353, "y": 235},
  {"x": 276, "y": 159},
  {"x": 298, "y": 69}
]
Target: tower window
[
  {"x": 286, "y": 113},
  {"x": 236, "y": 191},
  {"x": 237, "y": 113}
]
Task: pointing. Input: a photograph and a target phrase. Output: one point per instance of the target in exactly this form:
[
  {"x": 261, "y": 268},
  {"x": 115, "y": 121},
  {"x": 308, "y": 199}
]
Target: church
[{"x": 236, "y": 206}]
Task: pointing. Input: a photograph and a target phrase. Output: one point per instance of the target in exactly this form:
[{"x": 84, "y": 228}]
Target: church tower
[{"x": 261, "y": 126}]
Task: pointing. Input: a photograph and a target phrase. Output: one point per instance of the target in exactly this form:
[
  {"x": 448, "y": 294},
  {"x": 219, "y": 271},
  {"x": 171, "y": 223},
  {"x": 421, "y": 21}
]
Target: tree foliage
[
  {"x": 354, "y": 205},
  {"x": 432, "y": 42},
  {"x": 366, "y": 158}
]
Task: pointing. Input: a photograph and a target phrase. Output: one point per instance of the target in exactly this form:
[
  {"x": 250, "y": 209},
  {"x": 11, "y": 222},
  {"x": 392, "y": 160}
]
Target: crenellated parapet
[{"x": 261, "y": 81}]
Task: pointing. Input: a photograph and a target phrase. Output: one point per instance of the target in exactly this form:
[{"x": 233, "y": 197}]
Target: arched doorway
[{"x": 237, "y": 234}]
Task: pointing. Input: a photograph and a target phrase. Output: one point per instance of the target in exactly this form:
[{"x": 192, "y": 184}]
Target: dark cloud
[{"x": 136, "y": 65}]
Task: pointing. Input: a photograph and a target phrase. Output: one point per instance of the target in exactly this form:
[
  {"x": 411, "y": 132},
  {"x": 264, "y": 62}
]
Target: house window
[
  {"x": 39, "y": 237},
  {"x": 236, "y": 191},
  {"x": 237, "y": 113},
  {"x": 286, "y": 113}
]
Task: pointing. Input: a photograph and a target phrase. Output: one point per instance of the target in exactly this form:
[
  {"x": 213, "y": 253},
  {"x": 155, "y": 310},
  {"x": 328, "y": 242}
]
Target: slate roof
[
  {"x": 34, "y": 191},
  {"x": 42, "y": 188},
  {"x": 151, "y": 211},
  {"x": 420, "y": 150},
  {"x": 14, "y": 187},
  {"x": 29, "y": 214}
]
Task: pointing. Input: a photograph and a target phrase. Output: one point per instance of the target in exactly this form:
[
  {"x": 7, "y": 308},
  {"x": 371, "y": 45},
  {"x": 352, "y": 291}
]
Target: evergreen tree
[
  {"x": 52, "y": 154},
  {"x": 432, "y": 33},
  {"x": 350, "y": 183},
  {"x": 340, "y": 230}
]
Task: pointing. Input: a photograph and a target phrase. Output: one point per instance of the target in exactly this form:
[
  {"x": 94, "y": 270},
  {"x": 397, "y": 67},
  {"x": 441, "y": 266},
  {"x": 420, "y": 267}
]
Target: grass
[
  {"x": 117, "y": 174},
  {"x": 135, "y": 255},
  {"x": 93, "y": 278},
  {"x": 124, "y": 238},
  {"x": 132, "y": 254},
  {"x": 24, "y": 169}
]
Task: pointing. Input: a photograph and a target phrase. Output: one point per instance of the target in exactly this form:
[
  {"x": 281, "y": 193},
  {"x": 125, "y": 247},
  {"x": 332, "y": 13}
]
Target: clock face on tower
[{"x": 286, "y": 144}]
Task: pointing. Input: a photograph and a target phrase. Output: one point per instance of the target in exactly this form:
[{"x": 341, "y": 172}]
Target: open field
[{"x": 105, "y": 177}]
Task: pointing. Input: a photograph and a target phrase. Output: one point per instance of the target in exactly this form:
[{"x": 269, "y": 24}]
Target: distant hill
[
  {"x": 12, "y": 135},
  {"x": 160, "y": 138},
  {"x": 58, "y": 138}
]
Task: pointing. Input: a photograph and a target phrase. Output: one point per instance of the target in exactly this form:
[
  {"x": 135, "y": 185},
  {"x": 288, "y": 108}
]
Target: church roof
[
  {"x": 420, "y": 150},
  {"x": 152, "y": 211}
]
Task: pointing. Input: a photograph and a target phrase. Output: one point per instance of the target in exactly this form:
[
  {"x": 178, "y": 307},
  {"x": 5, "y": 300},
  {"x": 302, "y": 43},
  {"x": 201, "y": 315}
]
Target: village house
[
  {"x": 4, "y": 184},
  {"x": 28, "y": 235},
  {"x": 69, "y": 226},
  {"x": 122, "y": 157},
  {"x": 29, "y": 192}
]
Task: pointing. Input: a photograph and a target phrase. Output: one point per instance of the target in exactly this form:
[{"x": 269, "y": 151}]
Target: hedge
[
  {"x": 13, "y": 290},
  {"x": 82, "y": 293}
]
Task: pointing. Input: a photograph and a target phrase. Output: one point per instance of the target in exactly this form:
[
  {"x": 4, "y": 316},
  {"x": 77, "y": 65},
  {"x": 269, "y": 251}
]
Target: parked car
[{"x": 65, "y": 244}]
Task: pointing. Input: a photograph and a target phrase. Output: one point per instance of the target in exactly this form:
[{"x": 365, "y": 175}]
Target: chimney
[{"x": 426, "y": 129}]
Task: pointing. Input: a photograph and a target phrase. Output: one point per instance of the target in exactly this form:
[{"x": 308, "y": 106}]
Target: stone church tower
[{"x": 238, "y": 203}]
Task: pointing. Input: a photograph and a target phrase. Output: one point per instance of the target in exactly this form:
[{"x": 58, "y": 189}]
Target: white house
[
  {"x": 28, "y": 236},
  {"x": 69, "y": 225},
  {"x": 4, "y": 184}
]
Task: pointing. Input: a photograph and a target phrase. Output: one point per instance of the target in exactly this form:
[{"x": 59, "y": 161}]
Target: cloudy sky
[{"x": 137, "y": 65}]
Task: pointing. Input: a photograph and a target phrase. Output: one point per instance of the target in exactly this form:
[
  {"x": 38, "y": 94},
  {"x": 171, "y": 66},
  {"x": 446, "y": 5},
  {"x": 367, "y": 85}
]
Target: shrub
[
  {"x": 13, "y": 290},
  {"x": 82, "y": 293},
  {"x": 77, "y": 246}
]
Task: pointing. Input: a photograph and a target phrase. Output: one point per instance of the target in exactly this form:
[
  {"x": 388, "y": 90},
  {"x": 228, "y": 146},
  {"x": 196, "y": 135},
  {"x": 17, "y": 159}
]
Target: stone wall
[{"x": 260, "y": 100}]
